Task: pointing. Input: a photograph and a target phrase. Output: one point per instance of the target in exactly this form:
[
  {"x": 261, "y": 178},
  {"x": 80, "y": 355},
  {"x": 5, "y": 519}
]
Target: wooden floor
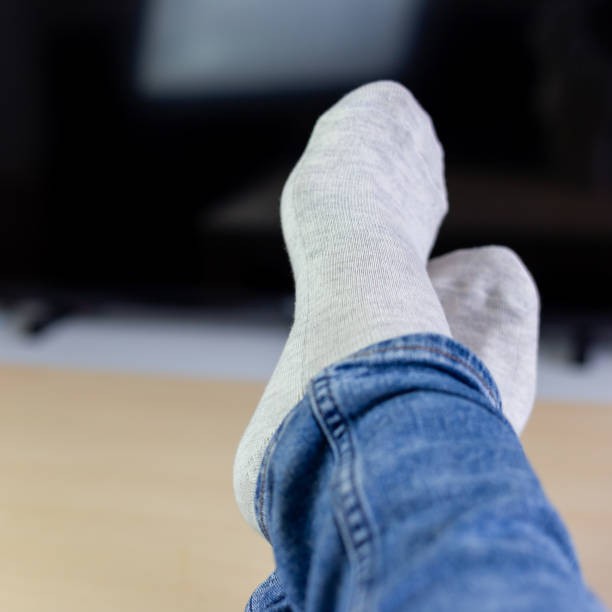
[{"x": 116, "y": 491}]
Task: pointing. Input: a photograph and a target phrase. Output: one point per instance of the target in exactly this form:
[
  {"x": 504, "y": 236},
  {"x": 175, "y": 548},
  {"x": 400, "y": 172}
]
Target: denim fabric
[{"x": 398, "y": 484}]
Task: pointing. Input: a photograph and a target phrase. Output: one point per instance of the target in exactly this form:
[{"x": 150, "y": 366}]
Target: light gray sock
[
  {"x": 492, "y": 306},
  {"x": 359, "y": 212}
]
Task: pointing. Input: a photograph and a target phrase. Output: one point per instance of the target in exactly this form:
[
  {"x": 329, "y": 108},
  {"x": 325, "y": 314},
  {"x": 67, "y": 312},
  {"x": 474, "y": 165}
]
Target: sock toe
[
  {"x": 492, "y": 306},
  {"x": 494, "y": 272},
  {"x": 381, "y": 126}
]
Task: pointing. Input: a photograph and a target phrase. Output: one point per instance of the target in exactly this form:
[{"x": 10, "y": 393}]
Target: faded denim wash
[{"x": 398, "y": 484}]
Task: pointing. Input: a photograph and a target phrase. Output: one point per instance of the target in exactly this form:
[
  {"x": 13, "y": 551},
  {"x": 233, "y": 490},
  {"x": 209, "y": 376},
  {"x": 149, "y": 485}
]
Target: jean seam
[
  {"x": 438, "y": 352},
  {"x": 259, "y": 500},
  {"x": 364, "y": 353},
  {"x": 278, "y": 600},
  {"x": 358, "y": 534}
]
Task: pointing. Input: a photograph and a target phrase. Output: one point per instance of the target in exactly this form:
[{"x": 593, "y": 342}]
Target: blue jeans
[{"x": 398, "y": 484}]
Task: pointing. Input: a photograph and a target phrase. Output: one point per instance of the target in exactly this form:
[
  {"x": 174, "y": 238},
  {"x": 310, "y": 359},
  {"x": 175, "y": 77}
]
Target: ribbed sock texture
[
  {"x": 492, "y": 306},
  {"x": 359, "y": 213}
]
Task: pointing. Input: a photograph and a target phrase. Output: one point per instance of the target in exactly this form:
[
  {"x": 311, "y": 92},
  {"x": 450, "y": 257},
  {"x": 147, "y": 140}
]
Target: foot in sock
[
  {"x": 492, "y": 306},
  {"x": 359, "y": 212}
]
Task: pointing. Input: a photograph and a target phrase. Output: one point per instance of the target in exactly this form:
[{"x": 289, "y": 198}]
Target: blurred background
[{"x": 144, "y": 145}]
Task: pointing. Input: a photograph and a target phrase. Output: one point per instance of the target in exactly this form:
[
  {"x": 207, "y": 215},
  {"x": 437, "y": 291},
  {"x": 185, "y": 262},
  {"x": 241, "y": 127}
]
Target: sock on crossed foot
[
  {"x": 492, "y": 306},
  {"x": 360, "y": 212}
]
